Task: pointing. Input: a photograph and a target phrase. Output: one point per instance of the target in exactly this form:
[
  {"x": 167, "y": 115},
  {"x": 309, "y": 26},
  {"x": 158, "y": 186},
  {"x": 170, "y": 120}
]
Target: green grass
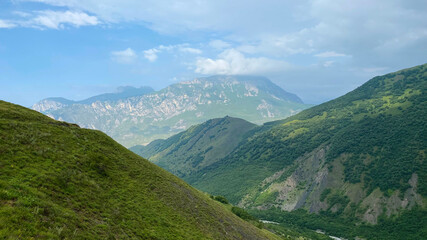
[
  {"x": 200, "y": 146},
  {"x": 58, "y": 181}
]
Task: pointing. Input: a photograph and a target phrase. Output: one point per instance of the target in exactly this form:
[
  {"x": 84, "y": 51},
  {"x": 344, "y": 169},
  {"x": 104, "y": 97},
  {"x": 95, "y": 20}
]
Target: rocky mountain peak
[{"x": 134, "y": 116}]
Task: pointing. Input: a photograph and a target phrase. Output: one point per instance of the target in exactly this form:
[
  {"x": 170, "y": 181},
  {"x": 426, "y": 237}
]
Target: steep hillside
[
  {"x": 58, "y": 181},
  {"x": 359, "y": 158},
  {"x": 139, "y": 119},
  {"x": 200, "y": 146}
]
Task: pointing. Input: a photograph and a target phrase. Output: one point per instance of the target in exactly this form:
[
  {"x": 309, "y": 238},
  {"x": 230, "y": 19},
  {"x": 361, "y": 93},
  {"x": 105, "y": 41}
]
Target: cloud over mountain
[{"x": 232, "y": 62}]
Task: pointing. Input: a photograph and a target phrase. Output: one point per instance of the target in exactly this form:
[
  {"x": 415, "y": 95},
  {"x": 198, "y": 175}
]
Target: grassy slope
[
  {"x": 60, "y": 181},
  {"x": 384, "y": 119},
  {"x": 200, "y": 146}
]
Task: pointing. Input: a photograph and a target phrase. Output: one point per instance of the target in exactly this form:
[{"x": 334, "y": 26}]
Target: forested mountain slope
[
  {"x": 200, "y": 146},
  {"x": 375, "y": 134},
  {"x": 361, "y": 156}
]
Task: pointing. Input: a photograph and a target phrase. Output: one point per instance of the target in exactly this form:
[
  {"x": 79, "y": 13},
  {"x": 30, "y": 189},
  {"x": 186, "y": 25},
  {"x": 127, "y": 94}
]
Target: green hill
[
  {"x": 379, "y": 129},
  {"x": 58, "y": 181},
  {"x": 200, "y": 146},
  {"x": 358, "y": 159}
]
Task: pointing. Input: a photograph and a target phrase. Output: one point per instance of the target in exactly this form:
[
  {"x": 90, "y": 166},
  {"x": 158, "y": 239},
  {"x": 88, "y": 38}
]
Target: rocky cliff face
[
  {"x": 312, "y": 184},
  {"x": 140, "y": 119}
]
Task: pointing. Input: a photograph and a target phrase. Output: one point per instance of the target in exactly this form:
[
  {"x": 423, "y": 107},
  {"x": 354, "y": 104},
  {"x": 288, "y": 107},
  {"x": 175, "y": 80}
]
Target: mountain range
[
  {"x": 355, "y": 166},
  {"x": 138, "y": 116},
  {"x": 59, "y": 181}
]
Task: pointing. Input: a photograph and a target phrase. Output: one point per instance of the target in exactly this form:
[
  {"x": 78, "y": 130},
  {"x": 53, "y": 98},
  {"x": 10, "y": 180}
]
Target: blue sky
[{"x": 318, "y": 49}]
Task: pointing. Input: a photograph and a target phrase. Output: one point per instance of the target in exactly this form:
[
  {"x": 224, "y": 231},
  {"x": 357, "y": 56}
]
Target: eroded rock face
[
  {"x": 302, "y": 184},
  {"x": 48, "y": 105},
  {"x": 142, "y": 118}
]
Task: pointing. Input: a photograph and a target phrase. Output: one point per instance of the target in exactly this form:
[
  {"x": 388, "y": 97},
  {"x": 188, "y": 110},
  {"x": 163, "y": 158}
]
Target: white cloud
[
  {"x": 165, "y": 48},
  {"x": 151, "y": 54},
  {"x": 126, "y": 56},
  {"x": 328, "y": 63},
  {"x": 190, "y": 50},
  {"x": 329, "y": 54},
  {"x": 279, "y": 28},
  {"x": 49, "y": 19},
  {"x": 219, "y": 44},
  {"x": 6, "y": 24},
  {"x": 58, "y": 19},
  {"x": 389, "y": 33},
  {"x": 22, "y": 14},
  {"x": 232, "y": 62}
]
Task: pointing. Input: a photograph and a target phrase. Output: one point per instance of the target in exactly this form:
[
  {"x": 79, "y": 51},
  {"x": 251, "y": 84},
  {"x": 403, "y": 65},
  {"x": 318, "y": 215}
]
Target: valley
[
  {"x": 352, "y": 167},
  {"x": 359, "y": 158},
  {"x": 213, "y": 120}
]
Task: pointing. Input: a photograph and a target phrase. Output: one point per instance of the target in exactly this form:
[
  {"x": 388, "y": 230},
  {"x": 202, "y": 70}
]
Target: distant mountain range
[
  {"x": 357, "y": 160},
  {"x": 59, "y": 181},
  {"x": 137, "y": 116}
]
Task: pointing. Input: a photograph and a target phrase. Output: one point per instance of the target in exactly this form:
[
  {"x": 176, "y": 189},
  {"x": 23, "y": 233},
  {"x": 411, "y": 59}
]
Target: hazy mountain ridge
[
  {"x": 59, "y": 181},
  {"x": 140, "y": 119},
  {"x": 50, "y": 104},
  {"x": 358, "y": 158}
]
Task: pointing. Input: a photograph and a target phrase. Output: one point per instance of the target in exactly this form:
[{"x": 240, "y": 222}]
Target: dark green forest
[
  {"x": 383, "y": 120},
  {"x": 378, "y": 131}
]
